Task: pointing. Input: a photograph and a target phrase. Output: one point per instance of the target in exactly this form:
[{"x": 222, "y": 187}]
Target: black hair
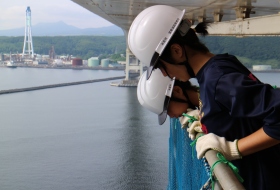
[
  {"x": 186, "y": 86},
  {"x": 190, "y": 39}
]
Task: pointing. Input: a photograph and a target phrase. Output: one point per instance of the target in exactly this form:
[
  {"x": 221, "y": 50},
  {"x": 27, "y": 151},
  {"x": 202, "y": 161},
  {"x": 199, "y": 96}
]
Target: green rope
[
  {"x": 192, "y": 118},
  {"x": 274, "y": 86},
  {"x": 194, "y": 142},
  {"x": 222, "y": 159}
]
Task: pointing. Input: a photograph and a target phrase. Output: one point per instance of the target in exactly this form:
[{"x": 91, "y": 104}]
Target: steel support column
[{"x": 132, "y": 64}]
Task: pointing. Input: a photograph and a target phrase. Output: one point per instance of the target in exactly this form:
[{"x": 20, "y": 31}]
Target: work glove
[
  {"x": 194, "y": 128},
  {"x": 186, "y": 121},
  {"x": 211, "y": 141},
  {"x": 191, "y": 123}
]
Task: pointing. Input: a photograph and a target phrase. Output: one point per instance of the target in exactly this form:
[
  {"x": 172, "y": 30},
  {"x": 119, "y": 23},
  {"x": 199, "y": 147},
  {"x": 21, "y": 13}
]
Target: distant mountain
[{"x": 62, "y": 29}]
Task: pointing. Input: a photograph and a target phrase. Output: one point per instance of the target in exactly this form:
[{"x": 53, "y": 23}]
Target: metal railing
[{"x": 226, "y": 178}]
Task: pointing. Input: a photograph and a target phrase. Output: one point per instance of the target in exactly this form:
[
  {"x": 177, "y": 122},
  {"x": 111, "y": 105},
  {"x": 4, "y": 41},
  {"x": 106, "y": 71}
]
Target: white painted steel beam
[{"x": 257, "y": 26}]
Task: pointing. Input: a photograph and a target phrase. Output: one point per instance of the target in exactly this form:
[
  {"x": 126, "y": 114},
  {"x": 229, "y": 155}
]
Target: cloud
[{"x": 13, "y": 14}]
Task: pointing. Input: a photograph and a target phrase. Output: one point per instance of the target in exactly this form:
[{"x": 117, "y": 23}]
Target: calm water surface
[{"x": 90, "y": 136}]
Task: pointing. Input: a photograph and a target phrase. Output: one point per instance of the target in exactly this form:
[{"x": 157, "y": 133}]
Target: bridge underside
[
  {"x": 257, "y": 26},
  {"x": 231, "y": 17}
]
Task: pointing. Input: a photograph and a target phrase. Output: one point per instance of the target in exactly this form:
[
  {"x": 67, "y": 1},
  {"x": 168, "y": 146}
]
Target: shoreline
[
  {"x": 265, "y": 71},
  {"x": 66, "y": 67},
  {"x": 106, "y": 68}
]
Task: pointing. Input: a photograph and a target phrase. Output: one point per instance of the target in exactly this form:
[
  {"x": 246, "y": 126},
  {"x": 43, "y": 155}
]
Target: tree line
[
  {"x": 250, "y": 50},
  {"x": 83, "y": 47}
]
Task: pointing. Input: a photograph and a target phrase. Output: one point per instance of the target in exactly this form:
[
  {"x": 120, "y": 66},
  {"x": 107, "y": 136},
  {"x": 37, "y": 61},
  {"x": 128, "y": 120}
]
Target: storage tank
[
  {"x": 104, "y": 62},
  {"x": 42, "y": 62},
  {"x": 57, "y": 62},
  {"x": 2, "y": 57},
  {"x": 93, "y": 62},
  {"x": 261, "y": 67},
  {"x": 39, "y": 56},
  {"x": 77, "y": 62}
]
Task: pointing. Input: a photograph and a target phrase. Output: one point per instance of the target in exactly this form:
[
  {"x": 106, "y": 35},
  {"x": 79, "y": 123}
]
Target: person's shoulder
[
  {"x": 218, "y": 65},
  {"x": 225, "y": 57},
  {"x": 228, "y": 62}
]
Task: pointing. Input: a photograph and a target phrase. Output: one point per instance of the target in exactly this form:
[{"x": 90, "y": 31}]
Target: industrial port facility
[{"x": 28, "y": 58}]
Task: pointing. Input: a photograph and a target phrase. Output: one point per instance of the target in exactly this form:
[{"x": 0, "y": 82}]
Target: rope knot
[
  {"x": 222, "y": 159},
  {"x": 192, "y": 118}
]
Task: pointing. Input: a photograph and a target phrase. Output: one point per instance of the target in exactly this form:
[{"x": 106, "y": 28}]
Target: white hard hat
[
  {"x": 155, "y": 93},
  {"x": 151, "y": 31}
]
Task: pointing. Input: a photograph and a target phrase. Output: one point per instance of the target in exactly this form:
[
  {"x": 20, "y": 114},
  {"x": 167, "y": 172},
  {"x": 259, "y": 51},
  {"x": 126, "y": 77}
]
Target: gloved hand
[
  {"x": 194, "y": 128},
  {"x": 211, "y": 141},
  {"x": 191, "y": 123},
  {"x": 185, "y": 120}
]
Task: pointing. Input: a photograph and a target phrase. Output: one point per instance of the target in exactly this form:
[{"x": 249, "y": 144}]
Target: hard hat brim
[
  {"x": 162, "y": 116},
  {"x": 149, "y": 72},
  {"x": 153, "y": 62}
]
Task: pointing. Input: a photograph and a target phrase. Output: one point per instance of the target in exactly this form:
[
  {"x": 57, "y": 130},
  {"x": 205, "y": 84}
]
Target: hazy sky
[{"x": 47, "y": 11}]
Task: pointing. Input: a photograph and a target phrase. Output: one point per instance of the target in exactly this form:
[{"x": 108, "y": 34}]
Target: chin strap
[
  {"x": 186, "y": 63},
  {"x": 189, "y": 69}
]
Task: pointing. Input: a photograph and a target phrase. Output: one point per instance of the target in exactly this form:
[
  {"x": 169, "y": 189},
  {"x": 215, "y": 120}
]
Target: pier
[{"x": 58, "y": 85}]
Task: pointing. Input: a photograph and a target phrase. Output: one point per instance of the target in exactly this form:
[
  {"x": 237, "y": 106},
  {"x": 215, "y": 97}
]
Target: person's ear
[{"x": 176, "y": 51}]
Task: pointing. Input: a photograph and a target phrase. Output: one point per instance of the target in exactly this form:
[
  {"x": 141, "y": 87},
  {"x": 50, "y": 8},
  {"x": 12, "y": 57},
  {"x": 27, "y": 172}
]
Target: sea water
[{"x": 89, "y": 136}]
